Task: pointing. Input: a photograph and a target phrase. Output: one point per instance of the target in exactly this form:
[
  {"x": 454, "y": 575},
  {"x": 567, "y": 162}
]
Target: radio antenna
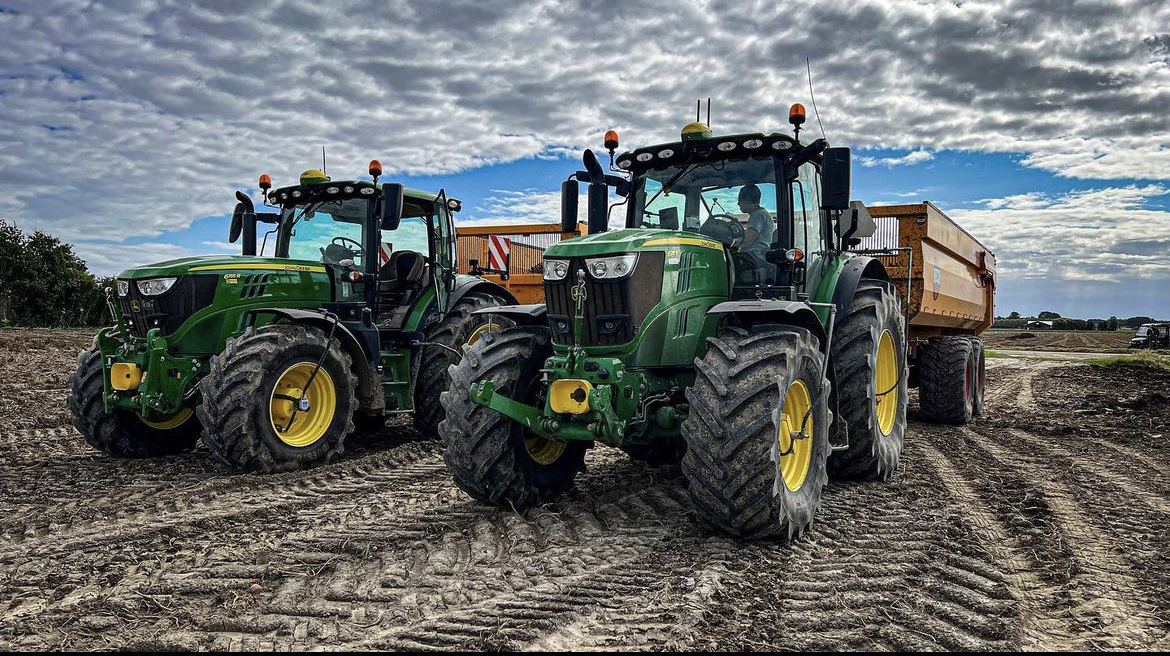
[
  {"x": 808, "y": 66},
  {"x": 708, "y": 112},
  {"x": 323, "y": 161},
  {"x": 698, "y": 109}
]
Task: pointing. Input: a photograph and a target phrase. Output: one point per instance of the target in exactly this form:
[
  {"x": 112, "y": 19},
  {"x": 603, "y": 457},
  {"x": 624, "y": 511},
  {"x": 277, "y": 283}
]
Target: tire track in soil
[{"x": 1099, "y": 594}]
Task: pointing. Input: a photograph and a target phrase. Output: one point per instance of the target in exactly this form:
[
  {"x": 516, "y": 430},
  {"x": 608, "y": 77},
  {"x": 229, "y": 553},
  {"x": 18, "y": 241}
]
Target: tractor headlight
[
  {"x": 155, "y": 286},
  {"x": 556, "y": 269},
  {"x": 123, "y": 288},
  {"x": 611, "y": 267}
]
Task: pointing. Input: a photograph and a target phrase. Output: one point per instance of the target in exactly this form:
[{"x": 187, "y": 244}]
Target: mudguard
[
  {"x": 470, "y": 284},
  {"x": 793, "y": 313},
  {"x": 851, "y": 274}
]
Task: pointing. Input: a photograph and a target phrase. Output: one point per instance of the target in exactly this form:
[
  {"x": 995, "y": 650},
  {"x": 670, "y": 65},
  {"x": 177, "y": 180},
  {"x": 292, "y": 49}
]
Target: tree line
[
  {"x": 1014, "y": 320},
  {"x": 44, "y": 283}
]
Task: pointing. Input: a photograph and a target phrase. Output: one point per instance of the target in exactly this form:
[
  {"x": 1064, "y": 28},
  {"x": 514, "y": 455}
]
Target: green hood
[
  {"x": 628, "y": 241},
  {"x": 218, "y": 264}
]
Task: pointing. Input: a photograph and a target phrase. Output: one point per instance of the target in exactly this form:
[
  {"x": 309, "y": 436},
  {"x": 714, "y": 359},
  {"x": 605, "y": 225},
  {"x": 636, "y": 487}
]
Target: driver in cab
[{"x": 759, "y": 223}]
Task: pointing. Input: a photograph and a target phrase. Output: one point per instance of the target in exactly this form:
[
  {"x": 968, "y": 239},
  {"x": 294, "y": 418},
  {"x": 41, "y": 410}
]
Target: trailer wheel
[
  {"x": 946, "y": 380},
  {"x": 750, "y": 472},
  {"x": 123, "y": 434},
  {"x": 492, "y": 458},
  {"x": 252, "y": 413},
  {"x": 869, "y": 359},
  {"x": 980, "y": 374},
  {"x": 460, "y": 326}
]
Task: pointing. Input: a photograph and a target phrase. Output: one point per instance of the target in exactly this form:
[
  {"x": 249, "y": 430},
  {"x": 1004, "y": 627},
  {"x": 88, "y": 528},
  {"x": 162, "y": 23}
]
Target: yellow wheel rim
[
  {"x": 542, "y": 450},
  {"x": 173, "y": 421},
  {"x": 885, "y": 378},
  {"x": 794, "y": 465},
  {"x": 307, "y": 424},
  {"x": 480, "y": 330}
]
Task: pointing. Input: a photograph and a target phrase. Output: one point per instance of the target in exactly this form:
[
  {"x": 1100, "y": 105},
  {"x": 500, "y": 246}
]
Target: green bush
[{"x": 44, "y": 283}]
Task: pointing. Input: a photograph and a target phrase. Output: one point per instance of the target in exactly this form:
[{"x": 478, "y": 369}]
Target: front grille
[
  {"x": 613, "y": 309},
  {"x": 167, "y": 311}
]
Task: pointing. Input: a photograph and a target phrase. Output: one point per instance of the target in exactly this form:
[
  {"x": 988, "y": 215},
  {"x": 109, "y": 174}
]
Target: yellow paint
[
  {"x": 795, "y": 414},
  {"x": 308, "y": 426},
  {"x": 569, "y": 395},
  {"x": 173, "y": 421},
  {"x": 263, "y": 267},
  {"x": 885, "y": 381},
  {"x": 684, "y": 241},
  {"x": 125, "y": 376},
  {"x": 543, "y": 451},
  {"x": 480, "y": 330}
]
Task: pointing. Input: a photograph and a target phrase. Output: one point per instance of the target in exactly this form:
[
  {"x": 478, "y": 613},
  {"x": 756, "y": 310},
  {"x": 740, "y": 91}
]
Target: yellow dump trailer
[
  {"x": 945, "y": 276},
  {"x": 526, "y": 244},
  {"x": 946, "y": 279}
]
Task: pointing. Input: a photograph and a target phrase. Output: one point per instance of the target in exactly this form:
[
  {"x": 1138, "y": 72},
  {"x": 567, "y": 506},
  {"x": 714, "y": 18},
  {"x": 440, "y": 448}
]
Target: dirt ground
[
  {"x": 1042, "y": 525},
  {"x": 1103, "y": 341}
]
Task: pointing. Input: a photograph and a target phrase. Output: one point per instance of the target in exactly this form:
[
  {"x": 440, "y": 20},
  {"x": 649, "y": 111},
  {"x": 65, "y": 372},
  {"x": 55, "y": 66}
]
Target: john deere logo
[{"x": 135, "y": 307}]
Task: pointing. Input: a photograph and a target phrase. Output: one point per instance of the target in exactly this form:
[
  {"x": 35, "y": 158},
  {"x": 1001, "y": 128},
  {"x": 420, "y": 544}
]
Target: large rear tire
[
  {"x": 250, "y": 412},
  {"x": 869, "y": 361},
  {"x": 123, "y": 434},
  {"x": 980, "y": 376},
  {"x": 945, "y": 367},
  {"x": 494, "y": 459},
  {"x": 749, "y": 470},
  {"x": 458, "y": 328}
]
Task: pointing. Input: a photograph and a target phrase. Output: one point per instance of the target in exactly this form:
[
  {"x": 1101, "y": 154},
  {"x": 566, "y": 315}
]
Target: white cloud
[
  {"x": 138, "y": 119},
  {"x": 916, "y": 157}
]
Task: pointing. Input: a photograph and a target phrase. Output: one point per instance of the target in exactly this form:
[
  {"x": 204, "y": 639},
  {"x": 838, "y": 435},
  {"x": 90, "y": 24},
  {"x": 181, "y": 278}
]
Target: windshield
[
  {"x": 698, "y": 191},
  {"x": 329, "y": 231},
  {"x": 1143, "y": 331}
]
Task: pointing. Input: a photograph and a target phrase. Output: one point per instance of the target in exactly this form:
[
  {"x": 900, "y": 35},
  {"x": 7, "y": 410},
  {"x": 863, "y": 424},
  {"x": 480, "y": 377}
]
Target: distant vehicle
[{"x": 1151, "y": 336}]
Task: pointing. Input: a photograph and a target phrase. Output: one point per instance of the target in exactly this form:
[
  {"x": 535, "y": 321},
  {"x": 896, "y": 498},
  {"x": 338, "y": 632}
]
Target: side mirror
[
  {"x": 454, "y": 204},
  {"x": 855, "y": 223},
  {"x": 835, "y": 179},
  {"x": 569, "y": 191},
  {"x": 391, "y": 205}
]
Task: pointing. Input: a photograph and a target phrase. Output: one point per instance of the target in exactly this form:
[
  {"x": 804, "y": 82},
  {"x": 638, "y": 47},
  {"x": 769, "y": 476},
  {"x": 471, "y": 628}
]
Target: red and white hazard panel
[
  {"x": 499, "y": 249},
  {"x": 386, "y": 250}
]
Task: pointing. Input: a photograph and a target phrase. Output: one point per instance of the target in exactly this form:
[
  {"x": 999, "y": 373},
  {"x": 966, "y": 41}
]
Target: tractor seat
[{"x": 405, "y": 270}]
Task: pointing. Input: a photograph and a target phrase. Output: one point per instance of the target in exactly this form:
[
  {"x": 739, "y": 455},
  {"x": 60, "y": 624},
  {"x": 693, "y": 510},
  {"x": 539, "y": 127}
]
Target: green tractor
[
  {"x": 273, "y": 361},
  {"x": 744, "y": 341}
]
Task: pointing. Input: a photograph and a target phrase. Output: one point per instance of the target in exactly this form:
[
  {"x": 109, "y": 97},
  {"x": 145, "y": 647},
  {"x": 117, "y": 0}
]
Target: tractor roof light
[
  {"x": 375, "y": 169},
  {"x": 611, "y": 140},
  {"x": 796, "y": 115},
  {"x": 265, "y": 182}
]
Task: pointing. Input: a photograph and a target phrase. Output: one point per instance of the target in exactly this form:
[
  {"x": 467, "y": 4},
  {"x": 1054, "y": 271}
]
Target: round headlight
[
  {"x": 296, "y": 194},
  {"x": 621, "y": 268},
  {"x": 598, "y": 268},
  {"x": 367, "y": 191},
  {"x": 284, "y": 196},
  {"x": 349, "y": 190},
  {"x": 624, "y": 163},
  {"x": 665, "y": 153},
  {"x": 782, "y": 145},
  {"x": 645, "y": 157},
  {"x": 726, "y": 146},
  {"x": 753, "y": 143}
]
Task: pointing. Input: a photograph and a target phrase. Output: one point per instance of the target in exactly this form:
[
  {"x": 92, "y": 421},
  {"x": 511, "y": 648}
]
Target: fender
[
  {"x": 521, "y": 315},
  {"x": 463, "y": 285},
  {"x": 851, "y": 274},
  {"x": 367, "y": 381},
  {"x": 794, "y": 313}
]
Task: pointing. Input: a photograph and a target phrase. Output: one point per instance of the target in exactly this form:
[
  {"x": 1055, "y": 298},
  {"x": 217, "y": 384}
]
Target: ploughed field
[
  {"x": 1043, "y": 525},
  {"x": 1084, "y": 341}
]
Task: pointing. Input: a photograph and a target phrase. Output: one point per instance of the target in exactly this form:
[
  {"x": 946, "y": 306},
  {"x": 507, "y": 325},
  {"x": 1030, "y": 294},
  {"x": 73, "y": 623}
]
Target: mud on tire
[
  {"x": 453, "y": 331},
  {"x": 487, "y": 452},
  {"x": 945, "y": 366},
  {"x": 733, "y": 462},
  {"x": 120, "y": 434},
  {"x": 238, "y": 398},
  {"x": 856, "y": 351},
  {"x": 980, "y": 373}
]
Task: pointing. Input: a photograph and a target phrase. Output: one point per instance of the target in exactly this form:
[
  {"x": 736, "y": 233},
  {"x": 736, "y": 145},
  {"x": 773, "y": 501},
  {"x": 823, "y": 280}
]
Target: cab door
[
  {"x": 443, "y": 250},
  {"x": 808, "y": 228}
]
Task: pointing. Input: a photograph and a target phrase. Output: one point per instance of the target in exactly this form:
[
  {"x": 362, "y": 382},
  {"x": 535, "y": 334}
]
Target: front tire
[
  {"x": 456, "y": 329},
  {"x": 750, "y": 472},
  {"x": 123, "y": 434},
  {"x": 251, "y": 411},
  {"x": 869, "y": 359},
  {"x": 494, "y": 459}
]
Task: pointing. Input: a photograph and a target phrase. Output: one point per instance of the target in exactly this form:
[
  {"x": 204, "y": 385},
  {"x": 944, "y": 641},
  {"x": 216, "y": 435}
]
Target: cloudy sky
[{"x": 1042, "y": 126}]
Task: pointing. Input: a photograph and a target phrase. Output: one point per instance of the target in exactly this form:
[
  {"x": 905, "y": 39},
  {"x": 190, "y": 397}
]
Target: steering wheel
[
  {"x": 338, "y": 250},
  {"x": 725, "y": 228}
]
